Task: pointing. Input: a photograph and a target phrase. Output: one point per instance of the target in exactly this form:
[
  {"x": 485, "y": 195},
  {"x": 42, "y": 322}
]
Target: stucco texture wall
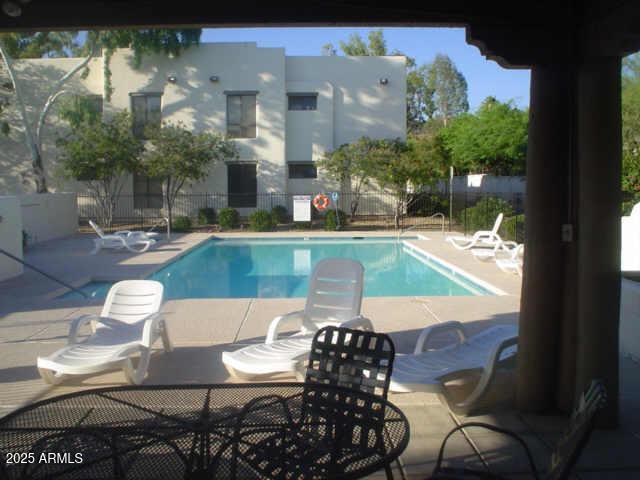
[{"x": 36, "y": 78}]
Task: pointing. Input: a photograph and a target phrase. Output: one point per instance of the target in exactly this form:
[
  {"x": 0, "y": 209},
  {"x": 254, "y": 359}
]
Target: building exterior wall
[{"x": 351, "y": 103}]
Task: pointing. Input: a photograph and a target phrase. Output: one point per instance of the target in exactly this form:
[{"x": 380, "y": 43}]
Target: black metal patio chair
[
  {"x": 332, "y": 421},
  {"x": 563, "y": 458}
]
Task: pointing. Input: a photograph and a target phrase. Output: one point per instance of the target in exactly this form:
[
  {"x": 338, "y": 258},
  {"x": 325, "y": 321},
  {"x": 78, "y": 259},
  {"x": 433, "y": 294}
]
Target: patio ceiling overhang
[{"x": 570, "y": 300}]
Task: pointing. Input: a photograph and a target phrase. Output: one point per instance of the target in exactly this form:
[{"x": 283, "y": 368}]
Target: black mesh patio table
[{"x": 267, "y": 430}]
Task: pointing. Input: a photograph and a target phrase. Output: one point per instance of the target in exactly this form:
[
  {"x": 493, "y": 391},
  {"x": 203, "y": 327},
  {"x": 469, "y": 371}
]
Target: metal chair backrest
[
  {"x": 335, "y": 292},
  {"x": 578, "y": 432},
  {"x": 356, "y": 359},
  {"x": 132, "y": 300}
]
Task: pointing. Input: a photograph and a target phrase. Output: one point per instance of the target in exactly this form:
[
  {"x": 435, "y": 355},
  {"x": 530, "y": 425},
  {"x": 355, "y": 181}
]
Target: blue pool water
[{"x": 279, "y": 268}]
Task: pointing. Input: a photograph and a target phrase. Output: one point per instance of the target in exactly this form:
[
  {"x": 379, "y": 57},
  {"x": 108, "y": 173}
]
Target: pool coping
[{"x": 58, "y": 293}]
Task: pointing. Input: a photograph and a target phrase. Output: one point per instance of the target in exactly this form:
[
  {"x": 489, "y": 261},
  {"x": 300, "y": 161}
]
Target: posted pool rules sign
[{"x": 302, "y": 208}]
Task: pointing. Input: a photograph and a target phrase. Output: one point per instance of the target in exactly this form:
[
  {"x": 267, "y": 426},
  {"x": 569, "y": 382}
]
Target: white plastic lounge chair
[
  {"x": 513, "y": 263},
  {"x": 487, "y": 238},
  {"x": 500, "y": 250},
  {"x": 334, "y": 298},
  {"x": 427, "y": 370},
  {"x": 122, "y": 239},
  {"x": 129, "y": 324}
]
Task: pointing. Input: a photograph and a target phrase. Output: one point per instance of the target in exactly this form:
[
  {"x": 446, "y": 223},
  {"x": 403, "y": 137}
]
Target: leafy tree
[
  {"x": 395, "y": 169},
  {"x": 493, "y": 140},
  {"x": 78, "y": 110},
  {"x": 630, "y": 131},
  {"x": 350, "y": 165},
  {"x": 101, "y": 154},
  {"x": 179, "y": 156},
  {"x": 39, "y": 44},
  {"x": 449, "y": 88},
  {"x": 420, "y": 101}
]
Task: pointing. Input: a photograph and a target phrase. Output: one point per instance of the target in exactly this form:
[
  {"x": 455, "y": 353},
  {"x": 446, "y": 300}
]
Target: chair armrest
[
  {"x": 79, "y": 322},
  {"x": 151, "y": 324},
  {"x": 278, "y": 322},
  {"x": 359, "y": 322},
  {"x": 125, "y": 233},
  {"x": 427, "y": 333}
]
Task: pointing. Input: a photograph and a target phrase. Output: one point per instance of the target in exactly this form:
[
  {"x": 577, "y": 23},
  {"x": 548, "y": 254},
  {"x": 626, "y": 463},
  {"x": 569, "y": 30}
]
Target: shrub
[
  {"x": 427, "y": 204},
  {"x": 483, "y": 214},
  {"x": 279, "y": 214},
  {"x": 512, "y": 228},
  {"x": 261, "y": 221},
  {"x": 228, "y": 218},
  {"x": 181, "y": 224},
  {"x": 330, "y": 220},
  {"x": 206, "y": 216}
]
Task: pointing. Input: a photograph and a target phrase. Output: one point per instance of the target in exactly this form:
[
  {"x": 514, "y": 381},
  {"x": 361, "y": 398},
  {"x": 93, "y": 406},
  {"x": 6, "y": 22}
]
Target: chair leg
[
  {"x": 136, "y": 375},
  {"x": 97, "y": 245},
  {"x": 51, "y": 377},
  {"x": 166, "y": 341}
]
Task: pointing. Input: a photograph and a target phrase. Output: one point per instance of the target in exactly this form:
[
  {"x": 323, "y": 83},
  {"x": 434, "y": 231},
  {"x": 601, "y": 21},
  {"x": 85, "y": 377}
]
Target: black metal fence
[{"x": 467, "y": 212}]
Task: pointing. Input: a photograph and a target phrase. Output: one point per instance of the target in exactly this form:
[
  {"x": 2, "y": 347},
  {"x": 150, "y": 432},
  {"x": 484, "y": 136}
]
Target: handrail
[
  {"x": 405, "y": 230},
  {"x": 50, "y": 277}
]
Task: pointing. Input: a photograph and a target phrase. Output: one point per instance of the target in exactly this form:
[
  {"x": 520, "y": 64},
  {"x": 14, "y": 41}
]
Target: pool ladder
[{"x": 405, "y": 230}]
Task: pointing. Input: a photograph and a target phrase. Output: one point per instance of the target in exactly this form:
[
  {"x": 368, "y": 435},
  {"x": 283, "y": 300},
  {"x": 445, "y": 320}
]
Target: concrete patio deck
[{"x": 33, "y": 322}]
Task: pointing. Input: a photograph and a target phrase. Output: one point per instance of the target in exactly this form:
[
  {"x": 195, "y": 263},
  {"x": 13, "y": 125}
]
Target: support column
[
  {"x": 542, "y": 303},
  {"x": 599, "y": 148}
]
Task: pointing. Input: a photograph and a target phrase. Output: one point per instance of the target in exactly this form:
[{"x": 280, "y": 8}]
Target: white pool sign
[
  {"x": 335, "y": 196},
  {"x": 302, "y": 208}
]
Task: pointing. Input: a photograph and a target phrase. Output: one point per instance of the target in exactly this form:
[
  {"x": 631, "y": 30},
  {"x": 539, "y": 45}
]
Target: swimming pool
[{"x": 280, "y": 267}]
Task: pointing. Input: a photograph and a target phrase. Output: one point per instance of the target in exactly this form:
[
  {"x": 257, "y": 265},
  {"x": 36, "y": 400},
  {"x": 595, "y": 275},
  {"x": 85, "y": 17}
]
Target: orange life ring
[{"x": 321, "y": 202}]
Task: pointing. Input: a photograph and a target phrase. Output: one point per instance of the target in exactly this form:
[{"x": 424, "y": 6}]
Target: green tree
[
  {"x": 396, "y": 167},
  {"x": 179, "y": 156},
  {"x": 493, "y": 140},
  {"x": 350, "y": 165},
  {"x": 101, "y": 154},
  {"x": 449, "y": 89},
  {"x": 630, "y": 131},
  {"x": 39, "y": 44}
]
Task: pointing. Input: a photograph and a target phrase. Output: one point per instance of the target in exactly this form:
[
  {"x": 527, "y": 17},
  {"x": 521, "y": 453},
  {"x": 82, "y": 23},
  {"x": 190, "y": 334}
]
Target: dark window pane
[
  {"x": 303, "y": 170},
  {"x": 242, "y": 184},
  {"x": 241, "y": 116},
  {"x": 147, "y": 111},
  {"x": 303, "y": 102},
  {"x": 147, "y": 192}
]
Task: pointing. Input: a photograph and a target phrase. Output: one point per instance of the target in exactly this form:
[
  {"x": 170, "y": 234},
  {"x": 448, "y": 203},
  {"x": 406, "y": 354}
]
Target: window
[
  {"x": 147, "y": 192},
  {"x": 303, "y": 101},
  {"x": 303, "y": 170},
  {"x": 241, "y": 115},
  {"x": 146, "y": 111},
  {"x": 242, "y": 184}
]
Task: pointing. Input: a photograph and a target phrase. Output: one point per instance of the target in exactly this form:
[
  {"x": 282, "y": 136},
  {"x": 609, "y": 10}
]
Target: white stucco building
[{"x": 284, "y": 112}]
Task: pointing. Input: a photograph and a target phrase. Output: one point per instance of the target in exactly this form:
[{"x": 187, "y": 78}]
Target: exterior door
[{"x": 242, "y": 184}]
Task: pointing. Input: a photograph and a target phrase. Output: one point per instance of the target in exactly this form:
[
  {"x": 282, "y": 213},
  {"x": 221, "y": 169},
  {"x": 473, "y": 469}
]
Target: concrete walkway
[{"x": 33, "y": 322}]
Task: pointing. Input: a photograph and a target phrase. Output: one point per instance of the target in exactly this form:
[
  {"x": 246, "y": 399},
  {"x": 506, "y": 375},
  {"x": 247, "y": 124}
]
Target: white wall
[
  {"x": 48, "y": 216},
  {"x": 10, "y": 236},
  {"x": 484, "y": 183},
  {"x": 630, "y": 248}
]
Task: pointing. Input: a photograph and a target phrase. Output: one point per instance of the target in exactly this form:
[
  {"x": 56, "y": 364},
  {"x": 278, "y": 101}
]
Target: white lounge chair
[
  {"x": 334, "y": 298},
  {"x": 500, "y": 250},
  {"x": 513, "y": 263},
  {"x": 122, "y": 239},
  {"x": 486, "y": 238},
  {"x": 129, "y": 324},
  {"x": 428, "y": 370}
]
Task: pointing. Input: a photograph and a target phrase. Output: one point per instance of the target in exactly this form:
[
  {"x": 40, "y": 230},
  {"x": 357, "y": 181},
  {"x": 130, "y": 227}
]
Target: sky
[{"x": 484, "y": 77}]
